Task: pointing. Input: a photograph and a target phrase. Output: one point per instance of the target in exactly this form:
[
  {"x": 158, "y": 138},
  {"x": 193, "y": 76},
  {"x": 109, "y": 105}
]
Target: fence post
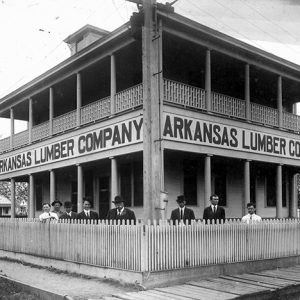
[{"x": 144, "y": 247}]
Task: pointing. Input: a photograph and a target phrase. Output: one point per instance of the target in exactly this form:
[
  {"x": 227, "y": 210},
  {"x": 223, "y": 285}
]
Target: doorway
[{"x": 104, "y": 196}]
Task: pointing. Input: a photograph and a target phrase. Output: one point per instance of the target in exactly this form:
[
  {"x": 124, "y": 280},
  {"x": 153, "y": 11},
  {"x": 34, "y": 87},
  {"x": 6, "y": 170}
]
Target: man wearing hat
[
  {"x": 182, "y": 213},
  {"x": 56, "y": 208},
  {"x": 68, "y": 214},
  {"x": 120, "y": 212}
]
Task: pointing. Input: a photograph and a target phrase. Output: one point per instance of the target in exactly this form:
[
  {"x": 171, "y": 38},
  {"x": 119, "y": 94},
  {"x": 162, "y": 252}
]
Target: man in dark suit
[
  {"x": 68, "y": 214},
  {"x": 87, "y": 213},
  {"x": 214, "y": 212},
  {"x": 120, "y": 212},
  {"x": 182, "y": 213}
]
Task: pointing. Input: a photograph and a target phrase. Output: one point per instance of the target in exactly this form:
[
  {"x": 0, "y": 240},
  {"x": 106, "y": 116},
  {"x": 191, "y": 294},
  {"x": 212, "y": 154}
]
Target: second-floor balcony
[{"x": 174, "y": 93}]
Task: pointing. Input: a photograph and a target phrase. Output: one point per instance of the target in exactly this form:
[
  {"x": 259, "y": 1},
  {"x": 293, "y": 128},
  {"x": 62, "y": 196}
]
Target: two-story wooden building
[{"x": 161, "y": 104}]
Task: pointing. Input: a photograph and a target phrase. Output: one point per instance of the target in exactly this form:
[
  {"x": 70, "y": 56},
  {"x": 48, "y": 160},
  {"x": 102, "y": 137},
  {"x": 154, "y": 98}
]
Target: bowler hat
[
  {"x": 68, "y": 204},
  {"x": 118, "y": 199},
  {"x": 56, "y": 201},
  {"x": 180, "y": 199}
]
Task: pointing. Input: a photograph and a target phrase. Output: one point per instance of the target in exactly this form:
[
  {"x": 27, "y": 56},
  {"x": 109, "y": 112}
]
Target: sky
[{"x": 32, "y": 31}]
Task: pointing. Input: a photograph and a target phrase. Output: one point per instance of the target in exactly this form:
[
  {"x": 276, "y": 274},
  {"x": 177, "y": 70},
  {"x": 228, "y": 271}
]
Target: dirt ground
[
  {"x": 60, "y": 283},
  {"x": 10, "y": 291}
]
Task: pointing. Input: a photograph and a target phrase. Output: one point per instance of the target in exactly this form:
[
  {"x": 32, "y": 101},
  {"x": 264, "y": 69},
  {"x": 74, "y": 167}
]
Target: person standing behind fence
[
  {"x": 214, "y": 212},
  {"x": 251, "y": 217},
  {"x": 87, "y": 213},
  {"x": 56, "y": 207},
  {"x": 120, "y": 212},
  {"x": 47, "y": 215},
  {"x": 182, "y": 213},
  {"x": 68, "y": 214}
]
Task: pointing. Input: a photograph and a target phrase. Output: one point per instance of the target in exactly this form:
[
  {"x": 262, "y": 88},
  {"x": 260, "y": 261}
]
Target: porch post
[
  {"x": 152, "y": 76},
  {"x": 51, "y": 110},
  {"x": 208, "y": 80},
  {"x": 114, "y": 179},
  {"x": 78, "y": 98},
  {"x": 30, "y": 120},
  {"x": 79, "y": 188},
  {"x": 294, "y": 197},
  {"x": 279, "y": 191},
  {"x": 113, "y": 84},
  {"x": 246, "y": 185},
  {"x": 52, "y": 186},
  {"x": 207, "y": 179},
  {"x": 13, "y": 198},
  {"x": 279, "y": 100},
  {"x": 31, "y": 196},
  {"x": 247, "y": 92},
  {"x": 12, "y": 127}
]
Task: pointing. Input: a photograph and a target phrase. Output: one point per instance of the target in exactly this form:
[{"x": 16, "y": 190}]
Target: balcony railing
[
  {"x": 64, "y": 122},
  {"x": 263, "y": 114},
  {"x": 95, "y": 111},
  {"x": 21, "y": 138},
  {"x": 174, "y": 92},
  {"x": 40, "y": 131},
  {"x": 182, "y": 94},
  {"x": 228, "y": 106},
  {"x": 291, "y": 121},
  {"x": 129, "y": 98},
  {"x": 5, "y": 144}
]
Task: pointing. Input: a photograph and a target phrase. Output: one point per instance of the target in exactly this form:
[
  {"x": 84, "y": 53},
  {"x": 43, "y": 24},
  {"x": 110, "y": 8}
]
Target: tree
[{"x": 21, "y": 191}]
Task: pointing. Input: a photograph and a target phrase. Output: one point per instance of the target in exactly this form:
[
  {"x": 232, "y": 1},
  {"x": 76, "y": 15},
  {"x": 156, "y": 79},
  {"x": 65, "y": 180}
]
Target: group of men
[
  {"x": 212, "y": 214},
  {"x": 120, "y": 212}
]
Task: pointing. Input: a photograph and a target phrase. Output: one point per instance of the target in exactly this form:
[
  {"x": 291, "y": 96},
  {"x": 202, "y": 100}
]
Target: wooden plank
[
  {"x": 166, "y": 296},
  {"x": 282, "y": 275},
  {"x": 255, "y": 283},
  {"x": 259, "y": 278},
  {"x": 178, "y": 290},
  {"x": 236, "y": 288},
  {"x": 214, "y": 294}
]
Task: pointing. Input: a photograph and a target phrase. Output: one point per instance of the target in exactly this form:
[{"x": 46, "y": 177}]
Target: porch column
[
  {"x": 247, "y": 92},
  {"x": 207, "y": 179},
  {"x": 294, "y": 196},
  {"x": 12, "y": 127},
  {"x": 279, "y": 191},
  {"x": 113, "y": 84},
  {"x": 152, "y": 102},
  {"x": 13, "y": 197},
  {"x": 31, "y": 196},
  {"x": 79, "y": 188},
  {"x": 51, "y": 110},
  {"x": 279, "y": 100},
  {"x": 52, "y": 186},
  {"x": 114, "y": 179},
  {"x": 246, "y": 185},
  {"x": 78, "y": 98},
  {"x": 208, "y": 81},
  {"x": 30, "y": 120}
]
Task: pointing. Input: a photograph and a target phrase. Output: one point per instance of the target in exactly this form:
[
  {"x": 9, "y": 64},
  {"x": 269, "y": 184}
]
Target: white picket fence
[{"x": 152, "y": 246}]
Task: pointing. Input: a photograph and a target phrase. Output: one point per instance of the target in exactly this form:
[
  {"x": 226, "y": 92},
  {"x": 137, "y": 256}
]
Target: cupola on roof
[{"x": 84, "y": 37}]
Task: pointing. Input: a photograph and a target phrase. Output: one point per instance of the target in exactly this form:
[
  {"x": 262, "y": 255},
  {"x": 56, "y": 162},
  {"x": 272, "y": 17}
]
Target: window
[
  {"x": 131, "y": 175},
  {"x": 39, "y": 195},
  {"x": 271, "y": 187},
  {"x": 220, "y": 171},
  {"x": 138, "y": 184},
  {"x": 190, "y": 181}
]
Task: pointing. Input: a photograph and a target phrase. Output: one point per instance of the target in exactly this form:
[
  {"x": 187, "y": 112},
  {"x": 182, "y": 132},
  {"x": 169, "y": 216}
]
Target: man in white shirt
[
  {"x": 251, "y": 217},
  {"x": 47, "y": 215}
]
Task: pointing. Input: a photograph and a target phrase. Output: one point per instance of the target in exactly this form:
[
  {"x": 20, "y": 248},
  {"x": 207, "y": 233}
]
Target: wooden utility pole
[{"x": 152, "y": 112}]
